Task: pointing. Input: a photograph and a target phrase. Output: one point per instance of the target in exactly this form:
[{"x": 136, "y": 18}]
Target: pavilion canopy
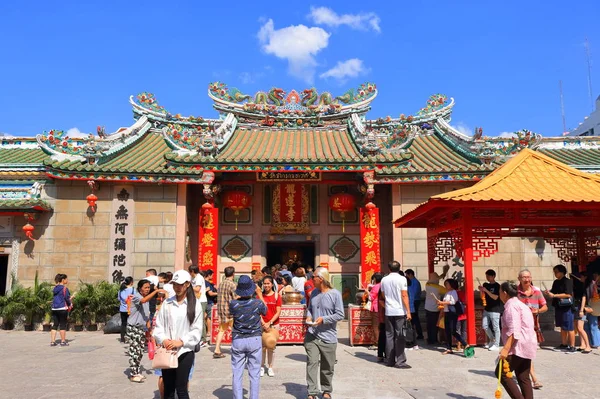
[{"x": 530, "y": 179}]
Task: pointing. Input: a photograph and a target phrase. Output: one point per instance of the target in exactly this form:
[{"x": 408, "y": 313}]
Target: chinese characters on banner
[
  {"x": 290, "y": 202},
  {"x": 121, "y": 234},
  {"x": 370, "y": 244},
  {"x": 208, "y": 239}
]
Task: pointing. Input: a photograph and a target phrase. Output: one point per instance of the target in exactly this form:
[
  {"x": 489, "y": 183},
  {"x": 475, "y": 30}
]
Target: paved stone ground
[{"x": 95, "y": 365}]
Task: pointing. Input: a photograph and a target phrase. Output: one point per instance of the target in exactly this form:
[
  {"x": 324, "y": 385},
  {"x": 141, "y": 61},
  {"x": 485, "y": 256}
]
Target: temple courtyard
[{"x": 94, "y": 366}]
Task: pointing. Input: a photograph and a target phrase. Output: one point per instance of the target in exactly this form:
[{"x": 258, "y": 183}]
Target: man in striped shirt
[
  {"x": 532, "y": 297},
  {"x": 225, "y": 294}
]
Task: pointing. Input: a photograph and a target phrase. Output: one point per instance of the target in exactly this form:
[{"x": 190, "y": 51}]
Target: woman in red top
[{"x": 270, "y": 321}]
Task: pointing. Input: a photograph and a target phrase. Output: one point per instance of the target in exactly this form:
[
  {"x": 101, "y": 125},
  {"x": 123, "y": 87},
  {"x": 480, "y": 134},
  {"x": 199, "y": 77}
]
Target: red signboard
[
  {"x": 208, "y": 240},
  {"x": 290, "y": 202},
  {"x": 370, "y": 244}
]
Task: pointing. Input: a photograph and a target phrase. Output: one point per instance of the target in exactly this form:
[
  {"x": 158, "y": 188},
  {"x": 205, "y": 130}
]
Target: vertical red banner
[
  {"x": 208, "y": 240},
  {"x": 290, "y": 203},
  {"x": 370, "y": 244}
]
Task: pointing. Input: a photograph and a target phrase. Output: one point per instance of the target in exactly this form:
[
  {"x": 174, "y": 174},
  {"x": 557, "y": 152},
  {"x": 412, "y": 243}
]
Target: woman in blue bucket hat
[{"x": 246, "y": 345}]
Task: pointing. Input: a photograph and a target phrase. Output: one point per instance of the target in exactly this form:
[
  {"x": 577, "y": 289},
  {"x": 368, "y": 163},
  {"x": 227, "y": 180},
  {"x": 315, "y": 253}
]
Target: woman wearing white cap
[{"x": 179, "y": 325}]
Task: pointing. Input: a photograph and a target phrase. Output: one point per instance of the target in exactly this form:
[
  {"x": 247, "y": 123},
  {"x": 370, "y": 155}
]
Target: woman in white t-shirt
[
  {"x": 298, "y": 282},
  {"x": 451, "y": 315}
]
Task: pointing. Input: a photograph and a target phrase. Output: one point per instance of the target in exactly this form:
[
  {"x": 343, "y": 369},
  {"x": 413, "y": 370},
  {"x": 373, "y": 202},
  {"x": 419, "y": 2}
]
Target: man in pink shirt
[{"x": 520, "y": 342}]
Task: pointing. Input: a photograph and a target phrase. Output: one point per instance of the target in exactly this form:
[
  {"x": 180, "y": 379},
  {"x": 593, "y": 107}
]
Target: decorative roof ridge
[
  {"x": 91, "y": 149},
  {"x": 25, "y": 143},
  {"x": 146, "y": 104},
  {"x": 431, "y": 112},
  {"x": 187, "y": 141},
  {"x": 309, "y": 102},
  {"x": 458, "y": 141},
  {"x": 568, "y": 143},
  {"x": 20, "y": 191}
]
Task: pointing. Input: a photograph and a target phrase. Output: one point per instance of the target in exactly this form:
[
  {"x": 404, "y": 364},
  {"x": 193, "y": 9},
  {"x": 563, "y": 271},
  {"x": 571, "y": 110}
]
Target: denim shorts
[{"x": 563, "y": 318}]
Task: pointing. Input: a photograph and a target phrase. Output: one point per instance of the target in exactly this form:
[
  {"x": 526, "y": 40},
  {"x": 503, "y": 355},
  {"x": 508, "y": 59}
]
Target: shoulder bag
[
  {"x": 164, "y": 358},
  {"x": 565, "y": 302}
]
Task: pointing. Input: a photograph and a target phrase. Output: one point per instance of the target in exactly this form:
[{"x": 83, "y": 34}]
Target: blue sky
[{"x": 67, "y": 65}]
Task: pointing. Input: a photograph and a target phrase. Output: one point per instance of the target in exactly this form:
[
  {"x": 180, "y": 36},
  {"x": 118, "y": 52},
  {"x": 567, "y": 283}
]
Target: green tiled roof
[
  {"x": 22, "y": 156},
  {"x": 146, "y": 156},
  {"x": 24, "y": 204},
  {"x": 305, "y": 146},
  {"x": 580, "y": 158},
  {"x": 431, "y": 155}
]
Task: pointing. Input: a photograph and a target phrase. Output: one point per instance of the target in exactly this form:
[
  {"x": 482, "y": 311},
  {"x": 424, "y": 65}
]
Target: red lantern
[
  {"x": 91, "y": 199},
  {"x": 342, "y": 203},
  {"x": 236, "y": 201},
  {"x": 28, "y": 229}
]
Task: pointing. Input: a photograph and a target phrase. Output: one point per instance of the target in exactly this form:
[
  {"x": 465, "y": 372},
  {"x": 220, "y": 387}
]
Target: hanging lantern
[
  {"x": 28, "y": 229},
  {"x": 91, "y": 199},
  {"x": 342, "y": 203},
  {"x": 236, "y": 201}
]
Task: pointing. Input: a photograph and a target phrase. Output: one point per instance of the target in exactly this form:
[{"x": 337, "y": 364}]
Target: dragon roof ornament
[
  {"x": 186, "y": 140},
  {"x": 277, "y": 103},
  {"x": 146, "y": 104},
  {"x": 92, "y": 148}
]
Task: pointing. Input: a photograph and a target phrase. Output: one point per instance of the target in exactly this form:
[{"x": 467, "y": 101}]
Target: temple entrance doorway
[
  {"x": 3, "y": 273},
  {"x": 291, "y": 252}
]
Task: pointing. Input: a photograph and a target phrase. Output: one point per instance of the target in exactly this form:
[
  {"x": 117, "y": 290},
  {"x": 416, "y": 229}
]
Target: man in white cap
[{"x": 325, "y": 309}]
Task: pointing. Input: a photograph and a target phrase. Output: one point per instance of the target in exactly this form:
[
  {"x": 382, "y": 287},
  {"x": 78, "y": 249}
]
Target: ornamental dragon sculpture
[
  {"x": 311, "y": 99},
  {"x": 275, "y": 96}
]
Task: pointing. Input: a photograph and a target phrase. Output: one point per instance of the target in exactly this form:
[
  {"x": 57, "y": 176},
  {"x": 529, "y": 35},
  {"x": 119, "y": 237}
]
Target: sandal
[
  {"x": 537, "y": 385},
  {"x": 447, "y": 352},
  {"x": 218, "y": 355},
  {"x": 328, "y": 395},
  {"x": 137, "y": 378},
  {"x": 64, "y": 343},
  {"x": 53, "y": 344}
]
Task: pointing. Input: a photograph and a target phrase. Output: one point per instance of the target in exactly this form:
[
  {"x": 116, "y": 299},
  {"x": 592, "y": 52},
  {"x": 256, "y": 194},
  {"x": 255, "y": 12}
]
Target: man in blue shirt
[{"x": 414, "y": 296}]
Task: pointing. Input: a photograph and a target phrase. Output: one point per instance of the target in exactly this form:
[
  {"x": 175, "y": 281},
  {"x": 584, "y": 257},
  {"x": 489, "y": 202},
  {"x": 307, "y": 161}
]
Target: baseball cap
[{"x": 180, "y": 277}]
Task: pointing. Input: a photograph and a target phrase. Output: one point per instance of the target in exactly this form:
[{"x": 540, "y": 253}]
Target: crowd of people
[{"x": 172, "y": 311}]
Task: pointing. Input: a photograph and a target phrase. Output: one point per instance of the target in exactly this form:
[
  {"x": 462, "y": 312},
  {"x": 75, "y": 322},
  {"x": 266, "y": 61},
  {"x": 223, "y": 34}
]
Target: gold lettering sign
[{"x": 288, "y": 176}]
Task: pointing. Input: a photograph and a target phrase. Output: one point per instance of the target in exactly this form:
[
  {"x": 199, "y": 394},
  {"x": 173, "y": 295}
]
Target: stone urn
[{"x": 291, "y": 297}]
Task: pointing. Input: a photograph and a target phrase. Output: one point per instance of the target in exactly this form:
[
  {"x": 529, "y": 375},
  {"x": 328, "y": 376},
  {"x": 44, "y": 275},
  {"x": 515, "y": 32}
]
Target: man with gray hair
[{"x": 325, "y": 309}]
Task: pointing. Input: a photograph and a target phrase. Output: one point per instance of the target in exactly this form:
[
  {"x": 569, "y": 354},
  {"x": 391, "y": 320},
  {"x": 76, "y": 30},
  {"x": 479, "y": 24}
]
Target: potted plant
[
  {"x": 12, "y": 304},
  {"x": 107, "y": 301},
  {"x": 37, "y": 302}
]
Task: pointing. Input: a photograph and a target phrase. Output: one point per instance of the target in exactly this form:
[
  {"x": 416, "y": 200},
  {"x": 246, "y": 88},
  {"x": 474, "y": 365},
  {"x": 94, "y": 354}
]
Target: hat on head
[
  {"x": 152, "y": 279},
  {"x": 245, "y": 287},
  {"x": 180, "y": 277}
]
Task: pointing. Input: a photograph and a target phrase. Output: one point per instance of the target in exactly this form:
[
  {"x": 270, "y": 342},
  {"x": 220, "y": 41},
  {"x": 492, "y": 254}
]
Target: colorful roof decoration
[
  {"x": 16, "y": 196},
  {"x": 280, "y": 130}
]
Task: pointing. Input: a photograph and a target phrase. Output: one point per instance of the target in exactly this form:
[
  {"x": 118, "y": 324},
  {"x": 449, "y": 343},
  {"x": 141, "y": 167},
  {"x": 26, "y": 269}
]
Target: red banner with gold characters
[
  {"x": 208, "y": 240},
  {"x": 290, "y": 202},
  {"x": 370, "y": 244}
]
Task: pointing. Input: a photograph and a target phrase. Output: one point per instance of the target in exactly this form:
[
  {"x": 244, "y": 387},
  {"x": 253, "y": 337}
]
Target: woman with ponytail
[
  {"x": 126, "y": 291},
  {"x": 179, "y": 325}
]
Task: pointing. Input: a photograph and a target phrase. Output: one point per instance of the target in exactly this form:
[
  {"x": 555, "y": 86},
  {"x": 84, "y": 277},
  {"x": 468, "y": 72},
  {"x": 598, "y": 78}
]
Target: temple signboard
[
  {"x": 287, "y": 176},
  {"x": 120, "y": 261}
]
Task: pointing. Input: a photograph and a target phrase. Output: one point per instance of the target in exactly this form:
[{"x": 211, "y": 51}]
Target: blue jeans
[
  {"x": 591, "y": 328},
  {"x": 246, "y": 353},
  {"x": 493, "y": 333}
]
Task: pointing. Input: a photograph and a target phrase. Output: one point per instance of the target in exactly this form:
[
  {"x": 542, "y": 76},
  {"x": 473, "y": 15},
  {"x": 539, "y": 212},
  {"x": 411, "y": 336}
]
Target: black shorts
[{"x": 59, "y": 319}]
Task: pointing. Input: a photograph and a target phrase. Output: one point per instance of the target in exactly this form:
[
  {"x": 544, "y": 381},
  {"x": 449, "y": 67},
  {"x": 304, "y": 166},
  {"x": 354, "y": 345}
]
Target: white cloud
[
  {"x": 346, "y": 69},
  {"x": 363, "y": 21},
  {"x": 463, "y": 128},
  {"x": 298, "y": 44},
  {"x": 506, "y": 135},
  {"x": 250, "y": 77},
  {"x": 74, "y": 133}
]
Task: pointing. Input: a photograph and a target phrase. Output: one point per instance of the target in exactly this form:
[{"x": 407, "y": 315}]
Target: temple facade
[{"x": 275, "y": 177}]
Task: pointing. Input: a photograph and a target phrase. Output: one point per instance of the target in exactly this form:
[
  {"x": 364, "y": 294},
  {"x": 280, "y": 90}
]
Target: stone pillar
[
  {"x": 181, "y": 227},
  {"x": 396, "y": 213}
]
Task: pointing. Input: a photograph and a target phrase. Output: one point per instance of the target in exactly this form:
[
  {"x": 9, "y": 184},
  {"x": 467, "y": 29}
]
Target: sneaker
[
  {"x": 560, "y": 347},
  {"x": 570, "y": 350},
  {"x": 262, "y": 371},
  {"x": 415, "y": 348},
  {"x": 486, "y": 346},
  {"x": 270, "y": 372},
  {"x": 494, "y": 348},
  {"x": 203, "y": 344}
]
